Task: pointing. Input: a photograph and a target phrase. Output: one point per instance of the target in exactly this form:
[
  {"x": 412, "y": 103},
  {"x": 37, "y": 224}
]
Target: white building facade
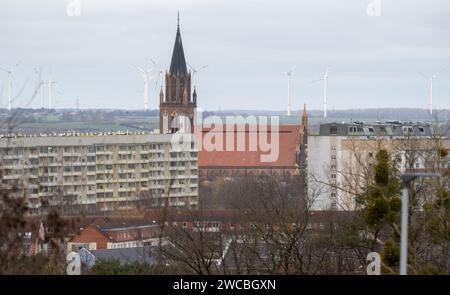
[{"x": 337, "y": 155}]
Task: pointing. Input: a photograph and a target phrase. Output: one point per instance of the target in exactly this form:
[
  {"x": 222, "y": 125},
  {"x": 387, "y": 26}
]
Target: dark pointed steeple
[
  {"x": 178, "y": 63},
  {"x": 176, "y": 103}
]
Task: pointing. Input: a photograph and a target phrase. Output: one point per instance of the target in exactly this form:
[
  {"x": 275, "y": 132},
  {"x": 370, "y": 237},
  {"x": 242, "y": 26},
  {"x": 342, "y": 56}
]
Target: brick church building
[{"x": 178, "y": 114}]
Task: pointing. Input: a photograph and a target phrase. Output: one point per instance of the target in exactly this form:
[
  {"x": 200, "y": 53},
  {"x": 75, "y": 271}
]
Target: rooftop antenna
[
  {"x": 194, "y": 72},
  {"x": 178, "y": 19},
  {"x": 289, "y": 73},
  {"x": 430, "y": 78},
  {"x": 78, "y": 104},
  {"x": 10, "y": 72},
  {"x": 147, "y": 76}
]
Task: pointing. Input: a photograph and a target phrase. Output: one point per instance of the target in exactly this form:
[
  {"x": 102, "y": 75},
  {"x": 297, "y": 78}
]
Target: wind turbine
[
  {"x": 147, "y": 76},
  {"x": 160, "y": 73},
  {"x": 10, "y": 72},
  {"x": 324, "y": 79},
  {"x": 194, "y": 72},
  {"x": 289, "y": 73},
  {"x": 430, "y": 78},
  {"x": 40, "y": 86},
  {"x": 159, "y": 81},
  {"x": 50, "y": 84}
]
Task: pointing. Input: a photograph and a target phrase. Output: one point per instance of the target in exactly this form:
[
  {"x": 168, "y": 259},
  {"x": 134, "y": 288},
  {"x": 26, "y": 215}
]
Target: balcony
[
  {"x": 12, "y": 176},
  {"x": 33, "y": 195},
  {"x": 12, "y": 157},
  {"x": 103, "y": 152}
]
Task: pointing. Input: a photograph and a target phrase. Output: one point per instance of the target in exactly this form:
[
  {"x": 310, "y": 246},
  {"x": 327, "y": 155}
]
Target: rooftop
[
  {"x": 388, "y": 128},
  {"x": 289, "y": 140}
]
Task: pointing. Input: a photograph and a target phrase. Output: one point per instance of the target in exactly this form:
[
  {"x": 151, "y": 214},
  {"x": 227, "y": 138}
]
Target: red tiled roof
[{"x": 289, "y": 140}]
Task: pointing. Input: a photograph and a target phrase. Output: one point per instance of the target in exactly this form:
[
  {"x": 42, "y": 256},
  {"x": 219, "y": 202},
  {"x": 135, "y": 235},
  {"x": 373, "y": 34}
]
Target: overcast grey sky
[{"x": 247, "y": 44}]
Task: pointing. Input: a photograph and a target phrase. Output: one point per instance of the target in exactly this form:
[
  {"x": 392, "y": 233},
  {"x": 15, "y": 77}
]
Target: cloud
[{"x": 245, "y": 43}]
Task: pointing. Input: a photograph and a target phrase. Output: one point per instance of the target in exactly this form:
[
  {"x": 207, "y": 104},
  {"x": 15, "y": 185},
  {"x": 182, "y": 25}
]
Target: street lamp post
[{"x": 407, "y": 178}]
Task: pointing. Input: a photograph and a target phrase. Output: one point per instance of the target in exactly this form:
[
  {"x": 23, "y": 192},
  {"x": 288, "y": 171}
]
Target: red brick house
[{"x": 114, "y": 233}]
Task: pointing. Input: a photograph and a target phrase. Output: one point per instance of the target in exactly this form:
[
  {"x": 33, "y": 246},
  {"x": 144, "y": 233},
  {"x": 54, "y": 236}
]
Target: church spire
[
  {"x": 304, "y": 116},
  {"x": 178, "y": 62}
]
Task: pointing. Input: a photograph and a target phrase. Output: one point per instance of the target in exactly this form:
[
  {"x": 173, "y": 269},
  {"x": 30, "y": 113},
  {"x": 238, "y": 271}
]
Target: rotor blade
[
  {"x": 140, "y": 70},
  {"x": 154, "y": 62},
  {"x": 2, "y": 69},
  {"x": 316, "y": 81},
  {"x": 204, "y": 67},
  {"x": 192, "y": 68},
  {"x": 435, "y": 75},
  {"x": 423, "y": 75}
]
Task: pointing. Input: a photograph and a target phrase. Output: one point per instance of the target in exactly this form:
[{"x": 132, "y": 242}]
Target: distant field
[{"x": 42, "y": 120}]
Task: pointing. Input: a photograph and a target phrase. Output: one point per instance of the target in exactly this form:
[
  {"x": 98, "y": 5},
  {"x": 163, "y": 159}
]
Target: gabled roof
[{"x": 178, "y": 63}]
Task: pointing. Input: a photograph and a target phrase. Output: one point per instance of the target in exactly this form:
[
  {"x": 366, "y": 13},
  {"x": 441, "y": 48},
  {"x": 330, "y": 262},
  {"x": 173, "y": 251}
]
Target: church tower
[{"x": 177, "y": 106}]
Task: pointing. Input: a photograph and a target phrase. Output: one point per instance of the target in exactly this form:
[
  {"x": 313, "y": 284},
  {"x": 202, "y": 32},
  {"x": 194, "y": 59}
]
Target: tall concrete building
[
  {"x": 99, "y": 172},
  {"x": 338, "y": 155}
]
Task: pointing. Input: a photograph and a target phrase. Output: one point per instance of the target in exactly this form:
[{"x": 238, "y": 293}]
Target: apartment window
[
  {"x": 407, "y": 129},
  {"x": 333, "y": 157},
  {"x": 333, "y": 130},
  {"x": 333, "y": 176}
]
